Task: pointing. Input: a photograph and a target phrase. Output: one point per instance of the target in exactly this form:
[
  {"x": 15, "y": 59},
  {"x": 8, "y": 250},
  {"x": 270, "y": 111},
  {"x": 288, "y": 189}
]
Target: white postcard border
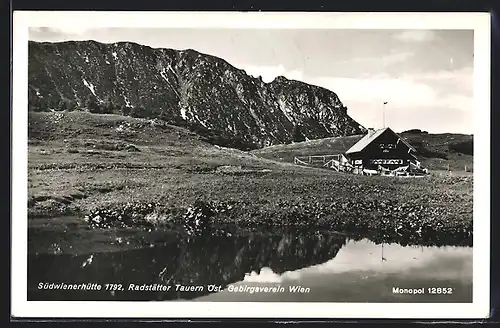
[{"x": 479, "y": 22}]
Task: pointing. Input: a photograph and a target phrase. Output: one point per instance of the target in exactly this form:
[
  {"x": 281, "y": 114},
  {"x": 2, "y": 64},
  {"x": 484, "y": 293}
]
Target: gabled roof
[{"x": 372, "y": 136}]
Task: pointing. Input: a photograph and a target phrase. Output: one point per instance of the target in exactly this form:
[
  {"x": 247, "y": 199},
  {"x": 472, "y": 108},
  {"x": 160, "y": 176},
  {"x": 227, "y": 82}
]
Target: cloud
[
  {"x": 59, "y": 33},
  {"x": 266, "y": 275},
  {"x": 442, "y": 88},
  {"x": 73, "y": 30},
  {"x": 378, "y": 61},
  {"x": 365, "y": 256},
  {"x": 458, "y": 81},
  {"x": 269, "y": 73},
  {"x": 432, "y": 118},
  {"x": 437, "y": 102},
  {"x": 415, "y": 36},
  {"x": 39, "y": 29},
  {"x": 394, "y": 90}
]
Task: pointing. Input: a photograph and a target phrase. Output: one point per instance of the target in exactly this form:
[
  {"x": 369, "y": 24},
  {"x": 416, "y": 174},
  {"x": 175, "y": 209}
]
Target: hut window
[{"x": 387, "y": 146}]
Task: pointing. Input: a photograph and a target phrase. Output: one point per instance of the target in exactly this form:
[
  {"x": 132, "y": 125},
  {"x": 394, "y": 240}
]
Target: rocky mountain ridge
[{"x": 183, "y": 87}]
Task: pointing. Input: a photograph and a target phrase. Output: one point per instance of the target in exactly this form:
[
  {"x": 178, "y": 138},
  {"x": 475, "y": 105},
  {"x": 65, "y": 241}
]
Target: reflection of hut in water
[{"x": 202, "y": 261}]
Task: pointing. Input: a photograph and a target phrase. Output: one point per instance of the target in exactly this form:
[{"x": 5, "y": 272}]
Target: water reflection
[
  {"x": 365, "y": 272},
  {"x": 328, "y": 267},
  {"x": 200, "y": 261}
]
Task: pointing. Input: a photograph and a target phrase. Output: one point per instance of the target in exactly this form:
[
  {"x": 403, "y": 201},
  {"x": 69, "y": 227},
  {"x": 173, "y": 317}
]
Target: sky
[{"x": 425, "y": 76}]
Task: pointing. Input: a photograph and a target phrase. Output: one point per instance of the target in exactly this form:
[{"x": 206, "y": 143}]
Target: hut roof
[{"x": 372, "y": 136}]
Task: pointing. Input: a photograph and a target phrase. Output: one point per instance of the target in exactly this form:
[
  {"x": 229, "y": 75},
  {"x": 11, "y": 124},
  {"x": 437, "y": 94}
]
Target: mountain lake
[{"x": 290, "y": 266}]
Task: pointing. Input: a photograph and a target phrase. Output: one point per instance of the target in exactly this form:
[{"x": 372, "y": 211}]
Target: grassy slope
[
  {"x": 432, "y": 149},
  {"x": 79, "y": 162}
]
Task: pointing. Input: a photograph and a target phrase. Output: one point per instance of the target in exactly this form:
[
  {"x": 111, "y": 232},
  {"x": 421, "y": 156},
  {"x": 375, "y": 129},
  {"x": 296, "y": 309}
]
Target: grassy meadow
[{"x": 81, "y": 163}]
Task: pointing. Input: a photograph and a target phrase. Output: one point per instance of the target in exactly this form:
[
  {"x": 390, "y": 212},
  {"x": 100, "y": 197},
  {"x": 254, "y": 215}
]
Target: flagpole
[{"x": 383, "y": 114}]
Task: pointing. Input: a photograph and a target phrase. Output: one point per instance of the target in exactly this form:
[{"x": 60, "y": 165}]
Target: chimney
[{"x": 371, "y": 131}]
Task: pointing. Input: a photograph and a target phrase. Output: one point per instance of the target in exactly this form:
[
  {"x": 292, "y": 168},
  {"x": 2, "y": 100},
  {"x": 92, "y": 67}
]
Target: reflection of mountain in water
[{"x": 201, "y": 261}]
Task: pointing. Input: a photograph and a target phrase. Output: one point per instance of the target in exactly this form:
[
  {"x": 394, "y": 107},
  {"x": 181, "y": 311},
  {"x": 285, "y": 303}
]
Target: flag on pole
[{"x": 385, "y": 102}]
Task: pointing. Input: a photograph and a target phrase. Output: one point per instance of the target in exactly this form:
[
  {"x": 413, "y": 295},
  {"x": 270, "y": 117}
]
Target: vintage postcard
[{"x": 272, "y": 165}]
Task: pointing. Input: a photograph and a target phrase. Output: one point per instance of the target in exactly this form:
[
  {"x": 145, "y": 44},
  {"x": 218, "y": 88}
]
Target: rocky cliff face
[{"x": 184, "y": 87}]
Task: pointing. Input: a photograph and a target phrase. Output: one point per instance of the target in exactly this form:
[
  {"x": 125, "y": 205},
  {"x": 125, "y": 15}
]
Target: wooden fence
[{"x": 336, "y": 162}]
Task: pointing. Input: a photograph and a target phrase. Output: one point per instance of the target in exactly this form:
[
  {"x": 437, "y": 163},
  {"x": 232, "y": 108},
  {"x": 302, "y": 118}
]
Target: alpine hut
[{"x": 383, "y": 152}]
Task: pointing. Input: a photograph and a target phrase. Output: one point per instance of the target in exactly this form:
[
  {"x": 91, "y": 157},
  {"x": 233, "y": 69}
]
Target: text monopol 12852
[{"x": 423, "y": 290}]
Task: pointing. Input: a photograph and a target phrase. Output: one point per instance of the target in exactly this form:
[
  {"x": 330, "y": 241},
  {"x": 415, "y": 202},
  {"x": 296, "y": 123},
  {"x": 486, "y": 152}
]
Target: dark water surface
[{"x": 289, "y": 266}]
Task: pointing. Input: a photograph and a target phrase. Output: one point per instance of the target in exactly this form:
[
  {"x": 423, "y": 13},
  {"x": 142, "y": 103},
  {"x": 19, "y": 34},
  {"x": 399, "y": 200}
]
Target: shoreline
[
  {"x": 435, "y": 210},
  {"x": 222, "y": 219}
]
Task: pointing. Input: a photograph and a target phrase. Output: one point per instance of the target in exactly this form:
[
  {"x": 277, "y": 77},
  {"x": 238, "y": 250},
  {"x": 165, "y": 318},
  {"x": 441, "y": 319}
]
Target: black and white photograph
[{"x": 307, "y": 164}]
